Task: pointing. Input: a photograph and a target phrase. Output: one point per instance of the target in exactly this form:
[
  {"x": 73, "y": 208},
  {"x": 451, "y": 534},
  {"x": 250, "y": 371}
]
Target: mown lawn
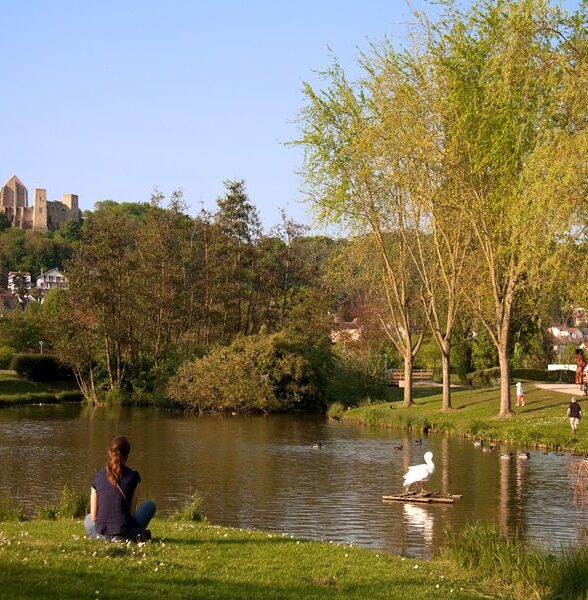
[
  {"x": 15, "y": 389},
  {"x": 541, "y": 422},
  {"x": 53, "y": 559}
]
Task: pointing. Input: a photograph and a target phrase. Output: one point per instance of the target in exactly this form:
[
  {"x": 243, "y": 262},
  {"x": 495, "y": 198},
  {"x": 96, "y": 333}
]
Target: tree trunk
[
  {"x": 505, "y": 410},
  {"x": 446, "y": 368},
  {"x": 408, "y": 401}
]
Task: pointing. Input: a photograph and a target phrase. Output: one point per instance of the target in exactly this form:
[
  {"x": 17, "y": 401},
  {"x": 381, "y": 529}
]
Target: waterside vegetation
[
  {"x": 542, "y": 422},
  {"x": 16, "y": 390}
]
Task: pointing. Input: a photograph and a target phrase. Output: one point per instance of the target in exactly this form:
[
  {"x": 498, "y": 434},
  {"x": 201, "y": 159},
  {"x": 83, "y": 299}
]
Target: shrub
[
  {"x": 192, "y": 510},
  {"x": 10, "y": 510},
  {"x": 6, "y": 357},
  {"x": 355, "y": 374},
  {"x": 73, "y": 504},
  {"x": 484, "y": 378},
  {"x": 541, "y": 375},
  {"x": 39, "y": 367},
  {"x": 261, "y": 373},
  {"x": 335, "y": 411},
  {"x": 114, "y": 397}
]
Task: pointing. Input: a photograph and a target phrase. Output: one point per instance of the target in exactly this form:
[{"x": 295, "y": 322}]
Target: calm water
[{"x": 263, "y": 473}]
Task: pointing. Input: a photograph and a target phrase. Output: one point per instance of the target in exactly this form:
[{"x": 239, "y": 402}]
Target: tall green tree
[
  {"x": 238, "y": 222},
  {"x": 356, "y": 178},
  {"x": 510, "y": 73}
]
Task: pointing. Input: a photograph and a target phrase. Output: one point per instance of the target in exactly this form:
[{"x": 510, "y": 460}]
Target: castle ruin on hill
[{"x": 43, "y": 215}]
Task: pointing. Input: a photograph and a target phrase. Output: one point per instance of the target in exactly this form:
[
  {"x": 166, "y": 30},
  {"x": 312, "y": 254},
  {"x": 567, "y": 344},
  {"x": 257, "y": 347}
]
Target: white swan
[{"x": 419, "y": 473}]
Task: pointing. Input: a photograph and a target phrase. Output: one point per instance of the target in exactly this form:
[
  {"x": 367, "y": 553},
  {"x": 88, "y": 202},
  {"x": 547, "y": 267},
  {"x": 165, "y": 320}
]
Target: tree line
[
  {"x": 456, "y": 169},
  {"x": 157, "y": 298},
  {"x": 163, "y": 305},
  {"x": 461, "y": 160}
]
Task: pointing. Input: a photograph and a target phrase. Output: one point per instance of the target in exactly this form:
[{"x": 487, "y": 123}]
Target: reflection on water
[
  {"x": 421, "y": 520},
  {"x": 264, "y": 473}
]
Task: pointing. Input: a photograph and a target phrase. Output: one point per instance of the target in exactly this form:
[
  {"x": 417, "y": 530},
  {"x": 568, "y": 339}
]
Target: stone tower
[
  {"x": 14, "y": 196},
  {"x": 40, "y": 210},
  {"x": 71, "y": 201}
]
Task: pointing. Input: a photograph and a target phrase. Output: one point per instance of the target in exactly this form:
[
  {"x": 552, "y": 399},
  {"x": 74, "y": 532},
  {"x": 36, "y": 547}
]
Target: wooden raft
[{"x": 427, "y": 498}]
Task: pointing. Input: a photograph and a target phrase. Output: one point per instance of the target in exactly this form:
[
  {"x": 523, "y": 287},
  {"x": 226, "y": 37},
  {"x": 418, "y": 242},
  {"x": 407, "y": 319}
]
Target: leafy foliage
[
  {"x": 484, "y": 377},
  {"x": 260, "y": 373},
  {"x": 6, "y": 356},
  {"x": 39, "y": 367}
]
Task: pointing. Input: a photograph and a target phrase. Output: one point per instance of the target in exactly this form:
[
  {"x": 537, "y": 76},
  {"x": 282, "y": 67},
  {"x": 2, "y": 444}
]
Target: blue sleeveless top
[{"x": 114, "y": 511}]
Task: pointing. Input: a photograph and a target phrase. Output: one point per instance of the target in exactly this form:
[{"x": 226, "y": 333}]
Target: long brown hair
[{"x": 118, "y": 452}]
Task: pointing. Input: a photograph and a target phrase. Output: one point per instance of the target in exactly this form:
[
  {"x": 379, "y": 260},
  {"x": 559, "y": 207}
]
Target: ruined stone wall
[{"x": 58, "y": 213}]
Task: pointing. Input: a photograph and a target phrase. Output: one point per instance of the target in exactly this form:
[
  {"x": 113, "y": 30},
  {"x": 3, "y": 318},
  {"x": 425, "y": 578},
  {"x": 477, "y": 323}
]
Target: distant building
[
  {"x": 566, "y": 335},
  {"x": 43, "y": 215},
  {"x": 346, "y": 331},
  {"x": 19, "y": 280},
  {"x": 52, "y": 279}
]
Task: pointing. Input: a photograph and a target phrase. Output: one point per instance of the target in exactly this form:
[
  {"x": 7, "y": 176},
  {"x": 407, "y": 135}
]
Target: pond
[{"x": 263, "y": 473}]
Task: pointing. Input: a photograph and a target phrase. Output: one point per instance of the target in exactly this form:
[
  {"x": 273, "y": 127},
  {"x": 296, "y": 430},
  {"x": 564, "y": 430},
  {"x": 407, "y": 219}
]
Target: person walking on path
[
  {"x": 520, "y": 394},
  {"x": 113, "y": 499},
  {"x": 575, "y": 414}
]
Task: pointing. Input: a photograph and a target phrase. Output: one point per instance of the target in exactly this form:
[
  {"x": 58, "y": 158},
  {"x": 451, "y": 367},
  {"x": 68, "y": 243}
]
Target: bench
[{"x": 396, "y": 376}]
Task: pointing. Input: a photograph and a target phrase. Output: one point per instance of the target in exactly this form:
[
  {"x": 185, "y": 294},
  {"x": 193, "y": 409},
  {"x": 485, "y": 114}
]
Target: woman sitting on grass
[{"x": 113, "y": 499}]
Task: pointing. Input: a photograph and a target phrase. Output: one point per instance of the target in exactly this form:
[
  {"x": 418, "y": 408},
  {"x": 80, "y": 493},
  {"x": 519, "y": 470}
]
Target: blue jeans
[{"x": 142, "y": 516}]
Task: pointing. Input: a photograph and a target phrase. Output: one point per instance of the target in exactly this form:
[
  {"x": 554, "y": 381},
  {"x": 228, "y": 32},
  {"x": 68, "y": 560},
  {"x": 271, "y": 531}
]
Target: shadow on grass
[
  {"x": 535, "y": 409},
  {"x": 277, "y": 539},
  {"x": 28, "y": 581}
]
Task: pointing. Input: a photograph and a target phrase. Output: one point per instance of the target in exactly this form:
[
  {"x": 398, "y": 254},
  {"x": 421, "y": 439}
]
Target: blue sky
[{"x": 110, "y": 99}]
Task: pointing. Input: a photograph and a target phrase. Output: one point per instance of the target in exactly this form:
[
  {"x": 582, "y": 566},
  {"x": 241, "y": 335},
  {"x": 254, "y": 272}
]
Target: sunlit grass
[
  {"x": 53, "y": 559},
  {"x": 541, "y": 422},
  {"x": 518, "y": 570}
]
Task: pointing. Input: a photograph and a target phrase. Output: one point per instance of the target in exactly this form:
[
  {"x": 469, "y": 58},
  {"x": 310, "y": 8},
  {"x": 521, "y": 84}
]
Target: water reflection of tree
[
  {"x": 504, "y": 501},
  {"x": 578, "y": 472},
  {"x": 578, "y": 475},
  {"x": 512, "y": 494}
]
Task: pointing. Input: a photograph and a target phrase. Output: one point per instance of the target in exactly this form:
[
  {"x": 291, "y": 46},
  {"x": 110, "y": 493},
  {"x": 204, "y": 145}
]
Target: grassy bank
[
  {"x": 542, "y": 422},
  {"x": 53, "y": 559},
  {"x": 16, "y": 390}
]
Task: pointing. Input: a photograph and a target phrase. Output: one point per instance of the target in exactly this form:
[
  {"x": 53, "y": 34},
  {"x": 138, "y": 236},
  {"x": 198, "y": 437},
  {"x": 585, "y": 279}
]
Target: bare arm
[
  {"x": 93, "y": 504},
  {"x": 134, "y": 500}
]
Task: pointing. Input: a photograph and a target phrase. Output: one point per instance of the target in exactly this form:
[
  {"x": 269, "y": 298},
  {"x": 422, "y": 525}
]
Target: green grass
[
  {"x": 16, "y": 390},
  {"x": 542, "y": 422},
  {"x": 518, "y": 570},
  {"x": 53, "y": 559},
  {"x": 73, "y": 504},
  {"x": 192, "y": 510},
  {"x": 10, "y": 510}
]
